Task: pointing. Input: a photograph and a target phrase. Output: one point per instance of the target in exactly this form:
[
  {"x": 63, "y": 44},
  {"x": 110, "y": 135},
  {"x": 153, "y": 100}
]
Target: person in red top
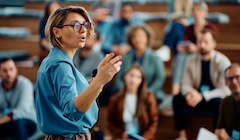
[{"x": 188, "y": 45}]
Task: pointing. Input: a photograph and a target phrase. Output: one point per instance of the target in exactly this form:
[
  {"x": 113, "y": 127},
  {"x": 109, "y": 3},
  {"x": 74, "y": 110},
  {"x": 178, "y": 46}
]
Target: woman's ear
[{"x": 56, "y": 32}]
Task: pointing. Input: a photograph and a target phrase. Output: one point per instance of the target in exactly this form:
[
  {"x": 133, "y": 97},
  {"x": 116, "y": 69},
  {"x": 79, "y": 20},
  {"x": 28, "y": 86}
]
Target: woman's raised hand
[{"x": 108, "y": 67}]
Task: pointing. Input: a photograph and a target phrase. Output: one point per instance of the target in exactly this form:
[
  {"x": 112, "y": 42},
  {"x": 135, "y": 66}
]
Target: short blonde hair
[{"x": 59, "y": 17}]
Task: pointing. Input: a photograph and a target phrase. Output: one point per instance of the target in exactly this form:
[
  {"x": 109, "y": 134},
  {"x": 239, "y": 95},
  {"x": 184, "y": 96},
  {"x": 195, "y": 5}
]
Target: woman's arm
[{"x": 106, "y": 70}]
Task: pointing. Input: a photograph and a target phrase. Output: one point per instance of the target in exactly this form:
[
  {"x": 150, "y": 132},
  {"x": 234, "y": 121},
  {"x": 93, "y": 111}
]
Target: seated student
[
  {"x": 229, "y": 119},
  {"x": 45, "y": 46},
  {"x": 134, "y": 109},
  {"x": 17, "y": 109},
  {"x": 139, "y": 38},
  {"x": 104, "y": 13},
  {"x": 115, "y": 40},
  {"x": 188, "y": 45},
  {"x": 86, "y": 59},
  {"x": 180, "y": 13},
  {"x": 203, "y": 83}
]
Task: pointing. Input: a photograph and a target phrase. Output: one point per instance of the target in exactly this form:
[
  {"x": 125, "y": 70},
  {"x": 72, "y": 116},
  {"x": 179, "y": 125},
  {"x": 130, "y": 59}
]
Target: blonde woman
[{"x": 65, "y": 101}]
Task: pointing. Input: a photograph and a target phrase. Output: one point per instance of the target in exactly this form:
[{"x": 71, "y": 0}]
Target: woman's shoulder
[
  {"x": 152, "y": 56},
  {"x": 57, "y": 56},
  {"x": 150, "y": 96},
  {"x": 116, "y": 95},
  {"x": 115, "y": 98},
  {"x": 55, "y": 64},
  {"x": 151, "y": 99}
]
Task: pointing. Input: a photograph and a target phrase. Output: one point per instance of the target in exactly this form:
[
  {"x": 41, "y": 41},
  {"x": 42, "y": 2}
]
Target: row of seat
[{"x": 157, "y": 21}]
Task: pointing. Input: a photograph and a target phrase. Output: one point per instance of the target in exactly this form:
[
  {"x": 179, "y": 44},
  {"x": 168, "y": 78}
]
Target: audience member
[
  {"x": 45, "y": 46},
  {"x": 180, "y": 17},
  {"x": 133, "y": 110},
  {"x": 183, "y": 7},
  {"x": 104, "y": 13},
  {"x": 139, "y": 38},
  {"x": 115, "y": 40},
  {"x": 188, "y": 45},
  {"x": 229, "y": 120},
  {"x": 86, "y": 60},
  {"x": 17, "y": 109},
  {"x": 203, "y": 83}
]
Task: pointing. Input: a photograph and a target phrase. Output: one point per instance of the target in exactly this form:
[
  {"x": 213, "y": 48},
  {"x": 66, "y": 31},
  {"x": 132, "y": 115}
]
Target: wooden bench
[
  {"x": 232, "y": 51},
  {"x": 228, "y": 33},
  {"x": 41, "y": 5},
  {"x": 29, "y": 45},
  {"x": 31, "y": 23},
  {"x": 29, "y": 72}
]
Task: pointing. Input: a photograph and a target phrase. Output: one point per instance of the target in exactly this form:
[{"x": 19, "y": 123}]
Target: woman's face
[
  {"x": 139, "y": 39},
  {"x": 133, "y": 79},
  {"x": 69, "y": 37}
]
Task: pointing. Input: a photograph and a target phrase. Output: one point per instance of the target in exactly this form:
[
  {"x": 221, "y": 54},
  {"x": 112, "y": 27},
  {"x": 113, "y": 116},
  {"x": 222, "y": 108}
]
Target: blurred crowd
[{"x": 203, "y": 80}]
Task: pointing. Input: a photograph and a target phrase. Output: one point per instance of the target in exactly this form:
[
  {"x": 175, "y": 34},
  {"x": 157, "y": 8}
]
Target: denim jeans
[
  {"x": 181, "y": 109},
  {"x": 19, "y": 129}
]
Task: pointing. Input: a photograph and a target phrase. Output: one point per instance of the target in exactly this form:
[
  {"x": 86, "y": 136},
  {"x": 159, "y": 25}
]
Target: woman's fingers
[
  {"x": 117, "y": 66},
  {"x": 115, "y": 63},
  {"x": 115, "y": 59},
  {"x": 107, "y": 58},
  {"x": 110, "y": 66}
]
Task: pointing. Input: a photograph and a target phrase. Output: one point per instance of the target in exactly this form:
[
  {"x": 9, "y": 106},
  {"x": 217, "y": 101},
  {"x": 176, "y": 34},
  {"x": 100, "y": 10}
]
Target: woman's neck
[
  {"x": 131, "y": 91},
  {"x": 70, "y": 52},
  {"x": 139, "y": 52}
]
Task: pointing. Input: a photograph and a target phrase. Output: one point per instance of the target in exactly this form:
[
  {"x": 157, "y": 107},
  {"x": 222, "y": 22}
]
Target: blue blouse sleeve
[{"x": 64, "y": 83}]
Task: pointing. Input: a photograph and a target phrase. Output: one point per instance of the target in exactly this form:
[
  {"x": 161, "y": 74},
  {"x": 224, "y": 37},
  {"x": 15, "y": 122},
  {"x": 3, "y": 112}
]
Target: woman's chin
[{"x": 81, "y": 45}]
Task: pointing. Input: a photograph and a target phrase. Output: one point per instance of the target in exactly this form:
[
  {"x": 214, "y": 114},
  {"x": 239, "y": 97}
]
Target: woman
[
  {"x": 65, "y": 102},
  {"x": 133, "y": 110},
  {"x": 139, "y": 38}
]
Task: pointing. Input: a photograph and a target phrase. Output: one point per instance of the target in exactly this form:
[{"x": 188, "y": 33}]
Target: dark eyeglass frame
[
  {"x": 230, "y": 79},
  {"x": 85, "y": 24}
]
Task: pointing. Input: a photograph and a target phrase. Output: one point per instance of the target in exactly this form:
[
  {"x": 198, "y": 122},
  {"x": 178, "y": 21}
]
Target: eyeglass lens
[
  {"x": 78, "y": 26},
  {"x": 233, "y": 77}
]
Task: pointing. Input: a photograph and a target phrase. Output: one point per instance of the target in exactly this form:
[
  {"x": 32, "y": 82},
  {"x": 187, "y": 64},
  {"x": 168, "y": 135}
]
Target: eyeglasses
[
  {"x": 77, "y": 26},
  {"x": 230, "y": 79}
]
